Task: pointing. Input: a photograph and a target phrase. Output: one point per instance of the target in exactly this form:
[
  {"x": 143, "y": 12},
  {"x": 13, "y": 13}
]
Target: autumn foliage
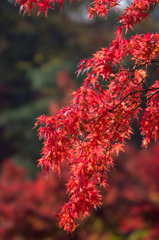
[
  {"x": 130, "y": 208},
  {"x": 132, "y": 198},
  {"x": 97, "y": 123},
  {"x": 28, "y": 207}
]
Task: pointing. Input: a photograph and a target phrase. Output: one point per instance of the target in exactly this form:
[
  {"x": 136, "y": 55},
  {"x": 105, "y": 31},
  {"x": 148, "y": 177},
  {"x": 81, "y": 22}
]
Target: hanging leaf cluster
[{"x": 96, "y": 125}]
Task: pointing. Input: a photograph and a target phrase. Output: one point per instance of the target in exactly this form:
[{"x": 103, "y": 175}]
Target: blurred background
[{"x": 38, "y": 61}]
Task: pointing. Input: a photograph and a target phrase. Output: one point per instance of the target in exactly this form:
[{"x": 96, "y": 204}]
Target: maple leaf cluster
[
  {"x": 98, "y": 122},
  {"x": 27, "y": 6}
]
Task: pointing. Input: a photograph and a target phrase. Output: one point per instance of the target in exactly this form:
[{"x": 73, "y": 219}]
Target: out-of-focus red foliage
[
  {"x": 133, "y": 197},
  {"x": 28, "y": 208}
]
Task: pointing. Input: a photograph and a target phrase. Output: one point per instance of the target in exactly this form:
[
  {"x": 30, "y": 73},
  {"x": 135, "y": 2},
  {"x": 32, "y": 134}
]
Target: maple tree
[{"x": 96, "y": 124}]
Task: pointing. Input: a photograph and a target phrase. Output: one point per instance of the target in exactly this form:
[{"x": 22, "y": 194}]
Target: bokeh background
[{"x": 38, "y": 61}]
